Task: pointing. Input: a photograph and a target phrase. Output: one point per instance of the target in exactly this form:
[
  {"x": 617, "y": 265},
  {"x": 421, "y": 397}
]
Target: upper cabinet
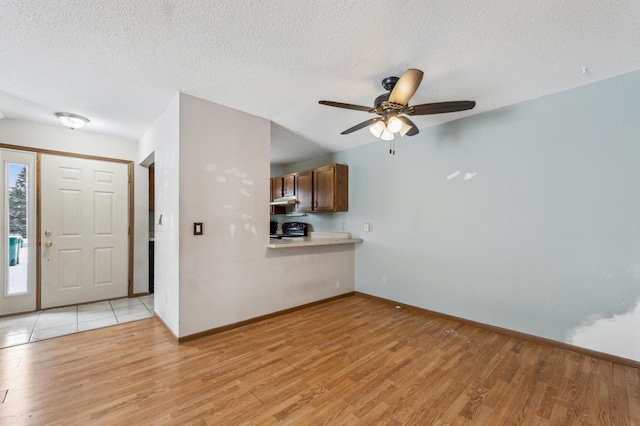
[
  {"x": 331, "y": 188},
  {"x": 304, "y": 191},
  {"x": 276, "y": 192},
  {"x": 324, "y": 189},
  {"x": 276, "y": 188},
  {"x": 289, "y": 185}
]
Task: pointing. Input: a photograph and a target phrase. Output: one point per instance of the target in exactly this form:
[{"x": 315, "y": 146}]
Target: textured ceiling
[{"x": 119, "y": 62}]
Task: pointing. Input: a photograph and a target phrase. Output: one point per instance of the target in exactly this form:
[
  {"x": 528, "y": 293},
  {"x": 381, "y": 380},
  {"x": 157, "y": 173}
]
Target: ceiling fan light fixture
[
  {"x": 404, "y": 129},
  {"x": 394, "y": 124},
  {"x": 72, "y": 121},
  {"x": 377, "y": 129},
  {"x": 386, "y": 135}
]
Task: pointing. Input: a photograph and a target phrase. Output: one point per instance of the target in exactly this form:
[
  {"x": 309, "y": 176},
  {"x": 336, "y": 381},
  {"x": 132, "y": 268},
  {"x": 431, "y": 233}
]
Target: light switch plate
[{"x": 197, "y": 228}]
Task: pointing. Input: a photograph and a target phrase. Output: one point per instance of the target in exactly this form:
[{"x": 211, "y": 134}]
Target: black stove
[{"x": 292, "y": 229}]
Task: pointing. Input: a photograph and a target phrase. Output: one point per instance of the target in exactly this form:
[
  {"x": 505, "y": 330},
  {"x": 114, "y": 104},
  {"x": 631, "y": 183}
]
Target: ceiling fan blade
[
  {"x": 406, "y": 87},
  {"x": 347, "y": 106},
  {"x": 440, "y": 107},
  {"x": 413, "y": 130},
  {"x": 361, "y": 125}
]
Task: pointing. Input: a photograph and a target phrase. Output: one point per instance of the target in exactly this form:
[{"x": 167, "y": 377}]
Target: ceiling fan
[{"x": 393, "y": 106}]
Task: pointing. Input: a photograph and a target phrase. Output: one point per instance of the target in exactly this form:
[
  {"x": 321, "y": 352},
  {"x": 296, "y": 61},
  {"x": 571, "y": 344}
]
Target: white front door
[
  {"x": 18, "y": 231},
  {"x": 84, "y": 230}
]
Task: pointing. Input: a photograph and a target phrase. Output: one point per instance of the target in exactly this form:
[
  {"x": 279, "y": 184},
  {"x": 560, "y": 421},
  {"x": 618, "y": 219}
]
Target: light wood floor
[{"x": 350, "y": 361}]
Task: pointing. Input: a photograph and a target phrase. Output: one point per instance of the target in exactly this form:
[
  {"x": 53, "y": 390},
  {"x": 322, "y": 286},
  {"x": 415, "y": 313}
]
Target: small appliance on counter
[{"x": 292, "y": 229}]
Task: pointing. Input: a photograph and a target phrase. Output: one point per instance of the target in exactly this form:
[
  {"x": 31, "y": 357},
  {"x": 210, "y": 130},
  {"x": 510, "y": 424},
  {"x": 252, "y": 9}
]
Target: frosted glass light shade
[
  {"x": 377, "y": 129},
  {"x": 405, "y": 128},
  {"x": 72, "y": 121},
  {"x": 386, "y": 135},
  {"x": 394, "y": 125}
]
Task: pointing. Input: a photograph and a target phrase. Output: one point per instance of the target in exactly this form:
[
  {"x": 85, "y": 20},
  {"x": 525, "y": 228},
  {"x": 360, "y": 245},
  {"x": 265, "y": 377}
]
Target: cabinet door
[
  {"x": 289, "y": 185},
  {"x": 276, "y": 188},
  {"x": 304, "y": 191},
  {"x": 324, "y": 186},
  {"x": 276, "y": 192}
]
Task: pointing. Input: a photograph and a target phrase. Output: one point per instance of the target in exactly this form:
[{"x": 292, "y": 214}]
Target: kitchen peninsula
[{"x": 315, "y": 239}]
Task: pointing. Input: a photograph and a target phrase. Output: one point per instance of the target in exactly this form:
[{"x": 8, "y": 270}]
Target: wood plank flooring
[{"x": 349, "y": 361}]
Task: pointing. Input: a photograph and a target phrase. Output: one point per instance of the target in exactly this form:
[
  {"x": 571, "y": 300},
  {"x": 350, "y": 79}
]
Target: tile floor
[{"x": 19, "y": 329}]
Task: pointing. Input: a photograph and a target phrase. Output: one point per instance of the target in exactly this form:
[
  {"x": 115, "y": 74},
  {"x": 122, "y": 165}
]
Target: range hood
[{"x": 283, "y": 201}]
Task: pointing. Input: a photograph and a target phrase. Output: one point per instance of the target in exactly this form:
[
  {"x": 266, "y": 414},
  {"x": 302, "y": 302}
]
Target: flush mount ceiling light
[{"x": 72, "y": 121}]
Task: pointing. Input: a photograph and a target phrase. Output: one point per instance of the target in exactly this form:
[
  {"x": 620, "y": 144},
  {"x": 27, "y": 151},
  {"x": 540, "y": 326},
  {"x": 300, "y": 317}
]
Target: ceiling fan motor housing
[
  {"x": 389, "y": 83},
  {"x": 383, "y": 107},
  {"x": 381, "y": 100}
]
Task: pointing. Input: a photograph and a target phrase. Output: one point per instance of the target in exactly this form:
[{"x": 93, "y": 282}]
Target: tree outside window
[{"x": 18, "y": 204}]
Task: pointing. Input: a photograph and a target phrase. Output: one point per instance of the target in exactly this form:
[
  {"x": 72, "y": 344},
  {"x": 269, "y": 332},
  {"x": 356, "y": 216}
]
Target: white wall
[
  {"x": 58, "y": 138},
  {"x": 162, "y": 141},
  {"x": 527, "y": 217},
  {"x": 228, "y": 274}
]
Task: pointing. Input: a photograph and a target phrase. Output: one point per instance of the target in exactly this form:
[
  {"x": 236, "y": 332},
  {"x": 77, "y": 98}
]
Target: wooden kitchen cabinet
[
  {"x": 276, "y": 192},
  {"x": 289, "y": 185},
  {"x": 331, "y": 188},
  {"x": 276, "y": 188},
  {"x": 304, "y": 191},
  {"x": 324, "y": 189}
]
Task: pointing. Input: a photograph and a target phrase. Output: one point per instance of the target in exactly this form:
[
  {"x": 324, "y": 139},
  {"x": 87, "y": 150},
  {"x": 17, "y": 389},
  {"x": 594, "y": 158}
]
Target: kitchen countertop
[{"x": 314, "y": 239}]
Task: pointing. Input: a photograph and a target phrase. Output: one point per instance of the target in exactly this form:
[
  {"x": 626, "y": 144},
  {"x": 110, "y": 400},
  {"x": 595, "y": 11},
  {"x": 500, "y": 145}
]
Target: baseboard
[
  {"x": 140, "y": 294},
  {"x": 517, "y": 334},
  {"x": 175, "y": 338},
  {"x": 258, "y": 319}
]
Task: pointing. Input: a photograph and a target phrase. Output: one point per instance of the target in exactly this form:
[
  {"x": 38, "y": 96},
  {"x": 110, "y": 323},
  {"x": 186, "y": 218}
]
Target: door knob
[
  {"x": 47, "y": 233},
  {"x": 48, "y": 243}
]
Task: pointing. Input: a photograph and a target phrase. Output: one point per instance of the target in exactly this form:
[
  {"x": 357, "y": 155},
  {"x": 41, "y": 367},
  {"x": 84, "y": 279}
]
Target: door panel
[
  {"x": 71, "y": 211},
  {"x": 85, "y": 230},
  {"x": 103, "y": 266},
  {"x": 70, "y": 273}
]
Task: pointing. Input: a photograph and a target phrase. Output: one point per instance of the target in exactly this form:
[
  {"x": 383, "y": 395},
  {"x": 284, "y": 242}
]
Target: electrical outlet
[
  {"x": 384, "y": 279},
  {"x": 337, "y": 284},
  {"x": 367, "y": 227}
]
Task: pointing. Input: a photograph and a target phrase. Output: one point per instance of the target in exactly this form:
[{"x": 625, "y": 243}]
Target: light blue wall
[{"x": 542, "y": 237}]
